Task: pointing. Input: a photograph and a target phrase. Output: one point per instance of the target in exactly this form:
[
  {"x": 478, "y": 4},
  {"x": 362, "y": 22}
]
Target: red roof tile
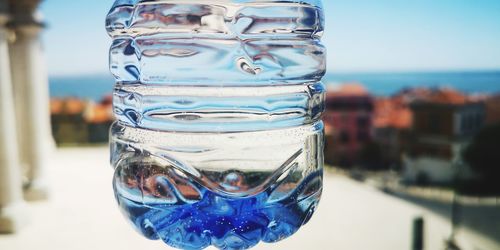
[
  {"x": 443, "y": 96},
  {"x": 70, "y": 106},
  {"x": 349, "y": 89},
  {"x": 392, "y": 112}
]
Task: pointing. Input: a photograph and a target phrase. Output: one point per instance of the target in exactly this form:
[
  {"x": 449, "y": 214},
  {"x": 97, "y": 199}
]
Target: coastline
[{"x": 94, "y": 87}]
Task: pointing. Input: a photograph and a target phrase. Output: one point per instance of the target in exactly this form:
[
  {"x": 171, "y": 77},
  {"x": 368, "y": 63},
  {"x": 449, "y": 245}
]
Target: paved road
[
  {"x": 482, "y": 219},
  {"x": 82, "y": 215}
]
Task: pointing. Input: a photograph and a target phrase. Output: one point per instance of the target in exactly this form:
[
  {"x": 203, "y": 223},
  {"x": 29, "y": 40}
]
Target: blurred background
[{"x": 412, "y": 128}]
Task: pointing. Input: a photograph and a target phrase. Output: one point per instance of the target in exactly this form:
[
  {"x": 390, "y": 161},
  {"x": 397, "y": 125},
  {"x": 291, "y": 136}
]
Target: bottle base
[{"x": 224, "y": 222}]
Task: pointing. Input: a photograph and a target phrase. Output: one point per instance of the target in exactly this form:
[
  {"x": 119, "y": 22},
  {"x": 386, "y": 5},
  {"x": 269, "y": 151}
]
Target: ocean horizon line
[
  {"x": 329, "y": 72},
  {"x": 96, "y": 86}
]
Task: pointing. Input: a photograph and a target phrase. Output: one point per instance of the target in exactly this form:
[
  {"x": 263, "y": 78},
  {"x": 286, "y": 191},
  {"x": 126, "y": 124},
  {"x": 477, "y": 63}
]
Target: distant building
[
  {"x": 444, "y": 121},
  {"x": 493, "y": 110},
  {"x": 392, "y": 121},
  {"x": 348, "y": 124},
  {"x": 99, "y": 118},
  {"x": 75, "y": 121},
  {"x": 68, "y": 124}
]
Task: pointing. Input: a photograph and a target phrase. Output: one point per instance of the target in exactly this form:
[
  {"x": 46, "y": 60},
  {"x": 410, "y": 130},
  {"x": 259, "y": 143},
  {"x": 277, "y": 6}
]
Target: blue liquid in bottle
[{"x": 218, "y": 139}]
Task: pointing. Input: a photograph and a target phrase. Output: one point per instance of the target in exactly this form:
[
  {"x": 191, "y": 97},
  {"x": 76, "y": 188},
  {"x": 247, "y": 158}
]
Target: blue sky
[{"x": 361, "y": 36}]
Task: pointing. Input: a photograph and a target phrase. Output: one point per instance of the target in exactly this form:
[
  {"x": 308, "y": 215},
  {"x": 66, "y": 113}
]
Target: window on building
[
  {"x": 470, "y": 122},
  {"x": 363, "y": 136},
  {"x": 463, "y": 125},
  {"x": 344, "y": 137},
  {"x": 479, "y": 121},
  {"x": 363, "y": 121},
  {"x": 434, "y": 124}
]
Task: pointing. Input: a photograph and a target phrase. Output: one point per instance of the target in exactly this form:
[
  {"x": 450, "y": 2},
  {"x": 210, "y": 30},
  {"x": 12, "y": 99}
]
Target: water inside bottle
[{"x": 218, "y": 139}]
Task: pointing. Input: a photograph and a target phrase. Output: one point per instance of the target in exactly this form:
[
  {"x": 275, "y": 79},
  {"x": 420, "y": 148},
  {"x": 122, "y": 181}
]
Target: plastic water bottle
[{"x": 218, "y": 139}]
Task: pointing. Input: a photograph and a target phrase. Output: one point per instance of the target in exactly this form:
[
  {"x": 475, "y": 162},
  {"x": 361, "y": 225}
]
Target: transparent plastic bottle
[{"x": 218, "y": 139}]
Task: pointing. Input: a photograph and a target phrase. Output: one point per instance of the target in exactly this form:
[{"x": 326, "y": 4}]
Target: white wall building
[{"x": 444, "y": 123}]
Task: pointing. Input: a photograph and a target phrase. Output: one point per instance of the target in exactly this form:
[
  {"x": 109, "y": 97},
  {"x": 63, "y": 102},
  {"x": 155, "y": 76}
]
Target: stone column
[
  {"x": 12, "y": 205},
  {"x": 31, "y": 93}
]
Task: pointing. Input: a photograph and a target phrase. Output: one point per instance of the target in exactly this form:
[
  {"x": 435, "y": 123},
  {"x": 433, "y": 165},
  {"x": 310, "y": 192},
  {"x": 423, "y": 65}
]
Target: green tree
[{"x": 483, "y": 155}]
